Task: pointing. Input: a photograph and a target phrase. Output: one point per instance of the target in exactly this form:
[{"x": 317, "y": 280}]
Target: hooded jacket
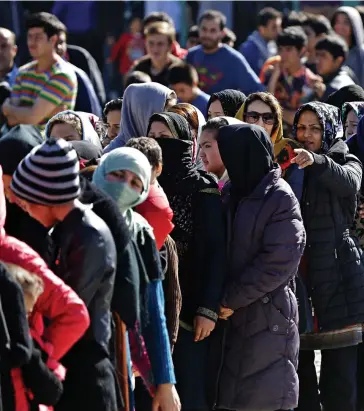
[
  {"x": 333, "y": 267},
  {"x": 140, "y": 102},
  {"x": 266, "y": 238},
  {"x": 355, "y": 59},
  {"x": 66, "y": 312},
  {"x": 88, "y": 128}
]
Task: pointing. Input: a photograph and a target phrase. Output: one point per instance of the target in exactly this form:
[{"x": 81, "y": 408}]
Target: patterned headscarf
[
  {"x": 231, "y": 101},
  {"x": 329, "y": 119}
]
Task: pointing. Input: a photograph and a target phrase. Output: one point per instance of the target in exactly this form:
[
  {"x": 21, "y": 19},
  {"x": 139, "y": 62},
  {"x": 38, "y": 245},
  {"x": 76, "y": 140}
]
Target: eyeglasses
[{"x": 253, "y": 117}]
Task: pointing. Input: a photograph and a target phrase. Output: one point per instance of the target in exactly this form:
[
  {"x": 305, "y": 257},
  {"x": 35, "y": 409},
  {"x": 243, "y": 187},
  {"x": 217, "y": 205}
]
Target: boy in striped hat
[{"x": 47, "y": 186}]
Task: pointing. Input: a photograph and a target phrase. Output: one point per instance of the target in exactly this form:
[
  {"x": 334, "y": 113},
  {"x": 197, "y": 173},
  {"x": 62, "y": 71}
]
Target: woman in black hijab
[
  {"x": 199, "y": 236},
  {"x": 225, "y": 103},
  {"x": 344, "y": 95},
  {"x": 265, "y": 244}
]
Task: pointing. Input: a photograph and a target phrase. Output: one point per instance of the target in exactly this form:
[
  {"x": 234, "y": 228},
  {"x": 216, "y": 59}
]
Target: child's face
[
  {"x": 326, "y": 64},
  {"x": 29, "y": 302},
  {"x": 209, "y": 153},
  {"x": 65, "y": 131},
  {"x": 184, "y": 92},
  {"x": 290, "y": 56},
  {"x": 351, "y": 124}
]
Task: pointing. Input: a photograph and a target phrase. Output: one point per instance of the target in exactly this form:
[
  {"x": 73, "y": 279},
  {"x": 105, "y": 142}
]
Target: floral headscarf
[{"x": 329, "y": 119}]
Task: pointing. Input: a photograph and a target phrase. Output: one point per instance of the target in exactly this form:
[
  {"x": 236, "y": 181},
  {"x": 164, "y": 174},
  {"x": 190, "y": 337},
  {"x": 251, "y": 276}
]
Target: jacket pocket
[{"x": 277, "y": 322}]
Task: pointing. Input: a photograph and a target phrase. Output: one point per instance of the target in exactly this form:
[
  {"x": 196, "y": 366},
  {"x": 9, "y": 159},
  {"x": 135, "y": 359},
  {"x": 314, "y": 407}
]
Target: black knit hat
[{"x": 49, "y": 174}]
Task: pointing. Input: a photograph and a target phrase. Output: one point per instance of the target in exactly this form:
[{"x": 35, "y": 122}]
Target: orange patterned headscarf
[{"x": 283, "y": 147}]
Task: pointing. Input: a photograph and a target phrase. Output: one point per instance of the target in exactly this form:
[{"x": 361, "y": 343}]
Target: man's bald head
[
  {"x": 8, "y": 50},
  {"x": 8, "y": 34}
]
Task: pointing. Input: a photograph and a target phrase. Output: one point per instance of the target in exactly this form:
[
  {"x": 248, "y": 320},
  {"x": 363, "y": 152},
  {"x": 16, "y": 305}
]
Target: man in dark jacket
[{"x": 85, "y": 258}]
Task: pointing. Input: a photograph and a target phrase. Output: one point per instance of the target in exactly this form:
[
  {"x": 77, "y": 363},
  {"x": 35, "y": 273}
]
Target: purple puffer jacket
[{"x": 266, "y": 242}]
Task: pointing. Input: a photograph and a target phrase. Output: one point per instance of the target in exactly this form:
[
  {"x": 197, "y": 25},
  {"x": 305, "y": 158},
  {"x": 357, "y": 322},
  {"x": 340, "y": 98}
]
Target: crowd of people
[{"x": 193, "y": 243}]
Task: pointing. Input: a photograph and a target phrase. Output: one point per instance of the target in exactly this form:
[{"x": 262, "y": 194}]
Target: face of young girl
[
  {"x": 125, "y": 176},
  {"x": 209, "y": 153},
  {"x": 351, "y": 124}
]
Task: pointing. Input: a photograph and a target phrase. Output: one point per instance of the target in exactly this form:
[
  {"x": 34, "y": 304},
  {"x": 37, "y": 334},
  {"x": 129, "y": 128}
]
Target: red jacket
[
  {"x": 58, "y": 303},
  {"x": 123, "y": 47},
  {"x": 158, "y": 213}
]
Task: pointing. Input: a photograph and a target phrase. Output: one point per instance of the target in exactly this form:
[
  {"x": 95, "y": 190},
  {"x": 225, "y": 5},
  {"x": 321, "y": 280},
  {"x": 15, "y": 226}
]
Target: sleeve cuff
[
  {"x": 319, "y": 163},
  {"x": 205, "y": 312}
]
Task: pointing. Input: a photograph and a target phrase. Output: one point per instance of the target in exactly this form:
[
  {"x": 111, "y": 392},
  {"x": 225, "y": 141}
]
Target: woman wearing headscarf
[
  {"x": 356, "y": 147},
  {"x": 71, "y": 125},
  {"x": 346, "y": 94},
  {"x": 225, "y": 103},
  {"x": 331, "y": 266},
  {"x": 264, "y": 110},
  {"x": 266, "y": 238},
  {"x": 194, "y": 198},
  {"x": 125, "y": 175},
  {"x": 140, "y": 101},
  {"x": 351, "y": 113},
  {"x": 196, "y": 120},
  {"x": 209, "y": 150}
]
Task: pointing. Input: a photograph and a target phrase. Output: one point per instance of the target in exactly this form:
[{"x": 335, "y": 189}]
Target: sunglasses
[{"x": 253, "y": 117}]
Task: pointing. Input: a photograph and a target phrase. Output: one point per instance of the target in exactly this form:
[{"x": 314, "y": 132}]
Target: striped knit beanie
[{"x": 49, "y": 174}]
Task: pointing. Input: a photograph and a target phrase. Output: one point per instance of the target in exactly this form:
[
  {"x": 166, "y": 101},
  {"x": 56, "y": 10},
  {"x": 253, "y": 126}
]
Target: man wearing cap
[{"x": 47, "y": 186}]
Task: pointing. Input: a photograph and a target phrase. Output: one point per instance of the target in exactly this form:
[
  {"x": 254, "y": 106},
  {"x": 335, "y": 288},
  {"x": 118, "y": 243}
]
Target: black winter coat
[{"x": 335, "y": 270}]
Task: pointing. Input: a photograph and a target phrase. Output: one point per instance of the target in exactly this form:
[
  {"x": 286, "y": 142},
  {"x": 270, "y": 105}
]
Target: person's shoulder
[
  {"x": 343, "y": 79},
  {"x": 202, "y": 95},
  {"x": 174, "y": 59},
  {"x": 195, "y": 50},
  {"x": 141, "y": 63},
  {"x": 31, "y": 66},
  {"x": 227, "y": 50},
  {"x": 65, "y": 69}
]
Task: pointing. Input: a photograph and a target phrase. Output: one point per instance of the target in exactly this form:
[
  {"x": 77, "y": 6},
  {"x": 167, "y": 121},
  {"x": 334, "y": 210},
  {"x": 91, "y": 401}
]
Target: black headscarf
[
  {"x": 346, "y": 95},
  {"x": 231, "y": 101},
  {"x": 180, "y": 178},
  {"x": 180, "y": 174},
  {"x": 177, "y": 124},
  {"x": 247, "y": 153},
  {"x": 16, "y": 144}
]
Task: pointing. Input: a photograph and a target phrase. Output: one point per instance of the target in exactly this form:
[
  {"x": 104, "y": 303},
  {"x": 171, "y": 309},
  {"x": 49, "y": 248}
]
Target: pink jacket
[{"x": 66, "y": 312}]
